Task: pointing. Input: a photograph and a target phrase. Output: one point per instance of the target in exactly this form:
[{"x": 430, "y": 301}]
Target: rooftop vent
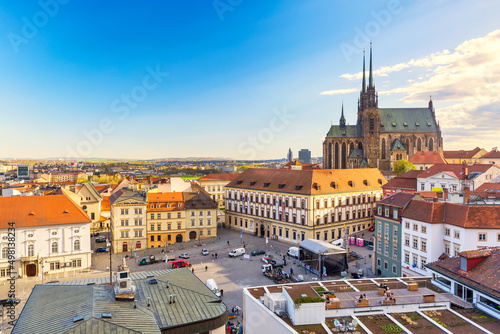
[
  {"x": 106, "y": 315},
  {"x": 78, "y": 318},
  {"x": 417, "y": 124},
  {"x": 405, "y": 124},
  {"x": 393, "y": 124},
  {"x": 31, "y": 213},
  {"x": 428, "y": 123}
]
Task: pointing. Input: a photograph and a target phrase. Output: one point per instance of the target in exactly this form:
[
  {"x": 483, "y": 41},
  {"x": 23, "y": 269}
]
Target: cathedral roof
[
  {"x": 397, "y": 146},
  {"x": 407, "y": 120},
  {"x": 356, "y": 153},
  {"x": 364, "y": 163},
  {"x": 351, "y": 131}
]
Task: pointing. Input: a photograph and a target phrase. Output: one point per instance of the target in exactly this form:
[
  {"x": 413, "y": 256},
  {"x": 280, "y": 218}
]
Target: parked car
[
  {"x": 100, "y": 239},
  {"x": 9, "y": 301},
  {"x": 102, "y": 250},
  {"x": 204, "y": 252},
  {"x": 371, "y": 229},
  {"x": 95, "y": 234},
  {"x": 184, "y": 256},
  {"x": 258, "y": 252},
  {"x": 179, "y": 264}
]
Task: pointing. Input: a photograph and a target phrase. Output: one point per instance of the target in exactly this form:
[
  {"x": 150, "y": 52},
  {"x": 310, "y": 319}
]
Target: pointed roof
[
  {"x": 427, "y": 157},
  {"x": 364, "y": 163},
  {"x": 397, "y": 145},
  {"x": 363, "y": 88},
  {"x": 356, "y": 153},
  {"x": 370, "y": 80},
  {"x": 342, "y": 118}
]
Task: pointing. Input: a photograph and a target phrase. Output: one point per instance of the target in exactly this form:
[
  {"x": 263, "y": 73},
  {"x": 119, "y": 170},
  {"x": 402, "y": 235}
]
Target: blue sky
[{"x": 238, "y": 79}]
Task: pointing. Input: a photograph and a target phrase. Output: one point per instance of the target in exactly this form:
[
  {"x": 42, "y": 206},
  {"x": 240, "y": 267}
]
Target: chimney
[
  {"x": 470, "y": 259},
  {"x": 495, "y": 149},
  {"x": 445, "y": 195},
  {"x": 466, "y": 195},
  {"x": 435, "y": 199}
]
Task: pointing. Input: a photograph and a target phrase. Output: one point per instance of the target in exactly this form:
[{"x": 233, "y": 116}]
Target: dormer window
[
  {"x": 366, "y": 183},
  {"x": 334, "y": 185},
  {"x": 298, "y": 187},
  {"x": 281, "y": 186},
  {"x": 239, "y": 182},
  {"x": 252, "y": 183},
  {"x": 417, "y": 124},
  {"x": 405, "y": 124},
  {"x": 379, "y": 181},
  {"x": 393, "y": 124},
  {"x": 351, "y": 184},
  {"x": 266, "y": 184}
]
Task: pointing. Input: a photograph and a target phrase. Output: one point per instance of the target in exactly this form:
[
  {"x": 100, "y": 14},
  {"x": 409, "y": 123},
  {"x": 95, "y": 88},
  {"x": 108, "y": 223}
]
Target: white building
[
  {"x": 49, "y": 234},
  {"x": 434, "y": 229}
]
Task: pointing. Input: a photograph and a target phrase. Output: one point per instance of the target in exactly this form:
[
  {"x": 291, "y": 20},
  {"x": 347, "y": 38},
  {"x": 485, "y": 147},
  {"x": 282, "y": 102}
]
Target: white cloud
[
  {"x": 339, "y": 91},
  {"x": 466, "y": 80}
]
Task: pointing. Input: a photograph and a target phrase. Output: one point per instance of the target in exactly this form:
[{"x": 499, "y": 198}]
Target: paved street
[{"x": 230, "y": 274}]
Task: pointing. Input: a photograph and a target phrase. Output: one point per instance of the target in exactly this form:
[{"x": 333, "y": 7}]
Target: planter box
[
  {"x": 412, "y": 286},
  {"x": 429, "y": 298}
]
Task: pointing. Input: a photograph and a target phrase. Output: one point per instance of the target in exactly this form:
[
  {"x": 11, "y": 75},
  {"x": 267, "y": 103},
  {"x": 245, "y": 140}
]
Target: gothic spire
[
  {"x": 342, "y": 118},
  {"x": 363, "y": 88},
  {"x": 370, "y": 82}
]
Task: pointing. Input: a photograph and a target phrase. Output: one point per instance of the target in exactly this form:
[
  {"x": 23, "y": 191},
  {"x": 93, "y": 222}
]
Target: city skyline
[{"x": 163, "y": 80}]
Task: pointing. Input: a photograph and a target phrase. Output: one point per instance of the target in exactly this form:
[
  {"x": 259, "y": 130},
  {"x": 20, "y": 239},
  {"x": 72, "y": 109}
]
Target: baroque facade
[{"x": 381, "y": 136}]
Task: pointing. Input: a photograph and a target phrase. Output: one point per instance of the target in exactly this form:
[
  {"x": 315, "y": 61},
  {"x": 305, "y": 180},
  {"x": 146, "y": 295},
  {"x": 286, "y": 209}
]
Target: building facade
[
  {"x": 305, "y": 156},
  {"x": 128, "y": 221},
  {"x": 292, "y": 205},
  {"x": 434, "y": 229},
  {"x": 381, "y": 136},
  {"x": 387, "y": 243},
  {"x": 52, "y": 236},
  {"x": 465, "y": 156},
  {"x": 215, "y": 185},
  {"x": 201, "y": 216},
  {"x": 166, "y": 219}
]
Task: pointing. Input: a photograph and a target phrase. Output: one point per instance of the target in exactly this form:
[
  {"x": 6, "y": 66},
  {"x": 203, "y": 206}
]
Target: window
[
  {"x": 201, "y": 213},
  {"x": 422, "y": 186},
  {"x": 379, "y": 246},
  {"x": 386, "y": 265},
  {"x": 395, "y": 230},
  {"x": 386, "y": 248},
  {"x": 178, "y": 215},
  {"x": 209, "y": 232},
  {"x": 138, "y": 233},
  {"x": 447, "y": 231},
  {"x": 423, "y": 244},
  {"x": 424, "y": 229},
  {"x": 415, "y": 242},
  {"x": 482, "y": 236},
  {"x": 378, "y": 262},
  {"x": 31, "y": 250},
  {"x": 415, "y": 227},
  {"x": 55, "y": 247},
  {"x": 169, "y": 215},
  {"x": 201, "y": 222},
  {"x": 423, "y": 262},
  {"x": 158, "y": 216},
  {"x": 395, "y": 213},
  {"x": 415, "y": 260},
  {"x": 447, "y": 248},
  {"x": 456, "y": 234},
  {"x": 169, "y": 227},
  {"x": 407, "y": 225},
  {"x": 209, "y": 222},
  {"x": 454, "y": 187},
  {"x": 407, "y": 258},
  {"x": 152, "y": 216},
  {"x": 192, "y": 213},
  {"x": 394, "y": 269},
  {"x": 124, "y": 211},
  {"x": 76, "y": 263},
  {"x": 407, "y": 240},
  {"x": 379, "y": 227},
  {"x": 138, "y": 211},
  {"x": 76, "y": 245},
  {"x": 159, "y": 227},
  {"x": 192, "y": 222},
  {"x": 152, "y": 227},
  {"x": 55, "y": 265},
  {"x": 178, "y": 226},
  {"x": 395, "y": 252},
  {"x": 456, "y": 250},
  {"x": 92, "y": 215},
  {"x": 152, "y": 238},
  {"x": 386, "y": 213},
  {"x": 386, "y": 229},
  {"x": 158, "y": 238},
  {"x": 138, "y": 222}
]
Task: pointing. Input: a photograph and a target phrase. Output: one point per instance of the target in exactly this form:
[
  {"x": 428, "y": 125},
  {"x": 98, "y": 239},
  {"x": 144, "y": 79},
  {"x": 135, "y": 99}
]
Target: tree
[{"x": 402, "y": 166}]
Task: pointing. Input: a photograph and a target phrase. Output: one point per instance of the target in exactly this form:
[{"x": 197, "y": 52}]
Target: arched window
[
  {"x": 383, "y": 148},
  {"x": 419, "y": 144},
  {"x": 351, "y": 147},
  {"x": 5, "y": 253},
  {"x": 431, "y": 144},
  {"x": 55, "y": 247},
  {"x": 76, "y": 245},
  {"x": 408, "y": 147},
  {"x": 344, "y": 156},
  {"x": 360, "y": 146},
  {"x": 337, "y": 166},
  {"x": 330, "y": 156},
  {"x": 372, "y": 122},
  {"x": 31, "y": 250}
]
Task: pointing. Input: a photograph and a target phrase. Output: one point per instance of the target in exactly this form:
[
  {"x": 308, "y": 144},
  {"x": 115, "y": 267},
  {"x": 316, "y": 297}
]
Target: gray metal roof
[
  {"x": 397, "y": 145},
  {"x": 319, "y": 246},
  {"x": 196, "y": 306},
  {"x": 407, "y": 120},
  {"x": 356, "y": 153}
]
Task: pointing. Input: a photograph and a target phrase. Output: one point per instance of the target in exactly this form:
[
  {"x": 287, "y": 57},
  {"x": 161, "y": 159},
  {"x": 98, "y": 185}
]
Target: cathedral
[{"x": 381, "y": 136}]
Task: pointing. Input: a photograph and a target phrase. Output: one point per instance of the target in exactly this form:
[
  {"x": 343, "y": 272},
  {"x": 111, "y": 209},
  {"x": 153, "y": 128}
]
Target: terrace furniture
[
  {"x": 353, "y": 324},
  {"x": 333, "y": 304},
  {"x": 412, "y": 287},
  {"x": 381, "y": 291},
  {"x": 389, "y": 302},
  {"x": 429, "y": 298},
  {"x": 363, "y": 303}
]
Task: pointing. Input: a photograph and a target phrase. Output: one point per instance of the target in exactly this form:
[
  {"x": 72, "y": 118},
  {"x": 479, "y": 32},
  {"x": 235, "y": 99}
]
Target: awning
[{"x": 321, "y": 247}]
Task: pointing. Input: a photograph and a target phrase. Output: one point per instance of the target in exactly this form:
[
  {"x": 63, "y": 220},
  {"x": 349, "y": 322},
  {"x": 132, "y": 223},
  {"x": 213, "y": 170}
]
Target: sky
[{"x": 236, "y": 79}]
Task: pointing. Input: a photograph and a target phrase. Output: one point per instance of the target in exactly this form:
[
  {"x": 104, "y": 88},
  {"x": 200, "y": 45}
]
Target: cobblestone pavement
[{"x": 230, "y": 274}]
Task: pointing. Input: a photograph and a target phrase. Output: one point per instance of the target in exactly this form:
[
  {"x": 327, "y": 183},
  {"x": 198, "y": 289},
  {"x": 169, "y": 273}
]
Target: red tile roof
[
  {"x": 461, "y": 154},
  {"x": 426, "y": 157},
  {"x": 484, "y": 277},
  {"x": 466, "y": 216},
  {"x": 493, "y": 154},
  {"x": 28, "y": 211},
  {"x": 309, "y": 182},
  {"x": 220, "y": 177},
  {"x": 458, "y": 169},
  {"x": 476, "y": 253},
  {"x": 398, "y": 199}
]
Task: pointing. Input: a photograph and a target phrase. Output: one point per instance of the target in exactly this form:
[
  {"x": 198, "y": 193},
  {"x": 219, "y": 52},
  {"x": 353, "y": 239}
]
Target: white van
[
  {"x": 213, "y": 286},
  {"x": 237, "y": 252},
  {"x": 293, "y": 252},
  {"x": 338, "y": 243}
]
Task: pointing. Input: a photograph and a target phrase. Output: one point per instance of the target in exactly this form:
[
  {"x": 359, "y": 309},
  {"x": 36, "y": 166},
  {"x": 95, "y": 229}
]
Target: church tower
[{"x": 368, "y": 117}]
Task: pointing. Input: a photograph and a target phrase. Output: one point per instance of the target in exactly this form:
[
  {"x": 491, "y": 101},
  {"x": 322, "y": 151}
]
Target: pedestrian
[
  {"x": 221, "y": 293},
  {"x": 215, "y": 255},
  {"x": 212, "y": 255},
  {"x": 291, "y": 271},
  {"x": 362, "y": 236},
  {"x": 228, "y": 242},
  {"x": 192, "y": 270},
  {"x": 206, "y": 268},
  {"x": 107, "y": 268}
]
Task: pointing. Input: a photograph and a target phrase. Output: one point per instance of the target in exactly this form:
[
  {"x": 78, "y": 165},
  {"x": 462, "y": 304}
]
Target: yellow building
[
  {"x": 292, "y": 205},
  {"x": 465, "y": 156},
  {"x": 166, "y": 219}
]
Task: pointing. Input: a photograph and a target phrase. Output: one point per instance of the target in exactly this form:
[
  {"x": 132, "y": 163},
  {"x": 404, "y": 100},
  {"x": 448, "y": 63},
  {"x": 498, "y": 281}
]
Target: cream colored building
[
  {"x": 128, "y": 221},
  {"x": 292, "y": 205},
  {"x": 201, "y": 215},
  {"x": 87, "y": 196},
  {"x": 215, "y": 185}
]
